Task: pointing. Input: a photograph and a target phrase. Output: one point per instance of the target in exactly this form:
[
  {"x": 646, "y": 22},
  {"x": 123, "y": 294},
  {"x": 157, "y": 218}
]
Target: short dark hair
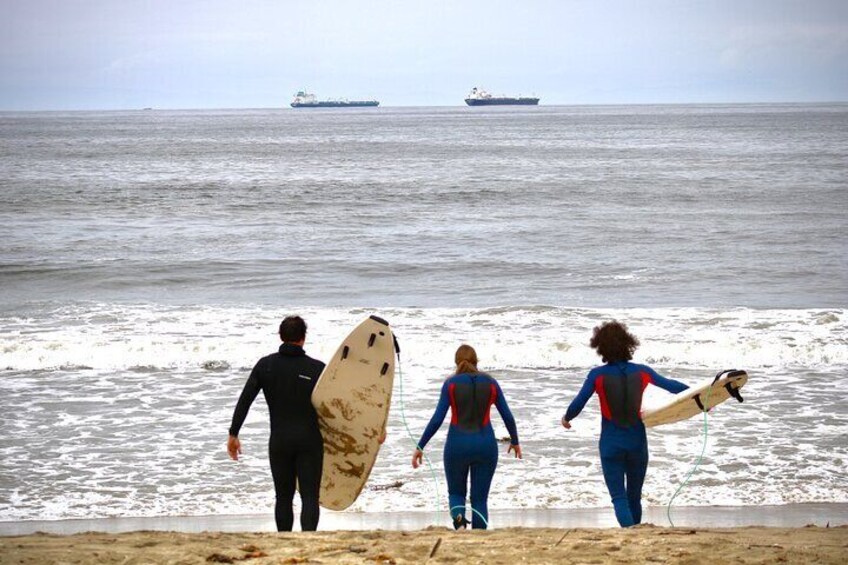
[
  {"x": 292, "y": 329},
  {"x": 613, "y": 342}
]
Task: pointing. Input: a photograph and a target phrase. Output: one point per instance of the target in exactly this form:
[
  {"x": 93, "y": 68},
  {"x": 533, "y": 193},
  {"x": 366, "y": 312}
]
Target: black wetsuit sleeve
[{"x": 248, "y": 395}]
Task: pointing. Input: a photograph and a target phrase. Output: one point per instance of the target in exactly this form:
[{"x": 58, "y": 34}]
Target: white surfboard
[
  {"x": 695, "y": 400},
  {"x": 352, "y": 398}
]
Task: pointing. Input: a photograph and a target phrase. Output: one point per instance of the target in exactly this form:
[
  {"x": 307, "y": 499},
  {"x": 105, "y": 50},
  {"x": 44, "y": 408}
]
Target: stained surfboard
[
  {"x": 697, "y": 399},
  {"x": 352, "y": 398}
]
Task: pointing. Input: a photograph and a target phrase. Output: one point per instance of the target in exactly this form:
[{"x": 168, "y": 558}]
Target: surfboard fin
[
  {"x": 734, "y": 392},
  {"x": 731, "y": 390}
]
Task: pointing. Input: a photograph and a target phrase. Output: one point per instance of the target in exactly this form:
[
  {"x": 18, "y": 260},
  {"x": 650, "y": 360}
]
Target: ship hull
[
  {"x": 328, "y": 104},
  {"x": 502, "y": 101}
]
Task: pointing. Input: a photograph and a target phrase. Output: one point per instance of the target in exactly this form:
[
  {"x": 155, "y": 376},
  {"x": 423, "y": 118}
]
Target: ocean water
[{"x": 147, "y": 257}]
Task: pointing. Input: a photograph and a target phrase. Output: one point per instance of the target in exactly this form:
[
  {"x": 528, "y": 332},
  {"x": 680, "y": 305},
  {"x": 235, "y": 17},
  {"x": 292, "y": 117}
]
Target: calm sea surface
[{"x": 146, "y": 258}]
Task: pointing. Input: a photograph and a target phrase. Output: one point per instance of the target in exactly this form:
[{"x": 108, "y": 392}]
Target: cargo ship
[
  {"x": 479, "y": 97},
  {"x": 306, "y": 100}
]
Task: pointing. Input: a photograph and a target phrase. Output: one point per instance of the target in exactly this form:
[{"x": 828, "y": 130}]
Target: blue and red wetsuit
[
  {"x": 471, "y": 445},
  {"x": 624, "y": 443}
]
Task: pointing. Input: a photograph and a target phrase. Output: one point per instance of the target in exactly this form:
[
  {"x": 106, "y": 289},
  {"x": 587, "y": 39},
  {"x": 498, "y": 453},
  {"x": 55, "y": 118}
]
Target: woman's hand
[
  {"x": 516, "y": 448},
  {"x": 417, "y": 458},
  {"x": 566, "y": 424}
]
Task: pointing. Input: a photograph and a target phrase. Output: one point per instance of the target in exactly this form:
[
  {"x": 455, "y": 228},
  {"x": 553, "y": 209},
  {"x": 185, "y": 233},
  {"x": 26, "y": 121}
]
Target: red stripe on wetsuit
[
  {"x": 454, "y": 411},
  {"x": 493, "y": 396}
]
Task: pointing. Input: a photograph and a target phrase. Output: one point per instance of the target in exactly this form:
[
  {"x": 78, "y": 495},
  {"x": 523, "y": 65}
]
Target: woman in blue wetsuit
[
  {"x": 624, "y": 444},
  {"x": 471, "y": 445}
]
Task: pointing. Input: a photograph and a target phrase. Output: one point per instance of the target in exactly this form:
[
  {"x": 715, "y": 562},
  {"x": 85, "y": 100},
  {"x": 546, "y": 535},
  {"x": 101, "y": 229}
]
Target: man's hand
[
  {"x": 417, "y": 458},
  {"x": 516, "y": 448},
  {"x": 234, "y": 447},
  {"x": 382, "y": 437},
  {"x": 566, "y": 424}
]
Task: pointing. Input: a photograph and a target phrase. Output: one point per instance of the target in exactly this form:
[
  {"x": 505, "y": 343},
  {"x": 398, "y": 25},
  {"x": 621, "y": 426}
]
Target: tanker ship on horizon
[
  {"x": 306, "y": 100},
  {"x": 479, "y": 97}
]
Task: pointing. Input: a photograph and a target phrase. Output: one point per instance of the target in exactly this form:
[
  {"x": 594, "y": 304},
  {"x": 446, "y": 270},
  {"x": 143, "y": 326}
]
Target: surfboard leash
[
  {"x": 473, "y": 511},
  {"x": 700, "y": 457},
  {"x": 412, "y": 438}
]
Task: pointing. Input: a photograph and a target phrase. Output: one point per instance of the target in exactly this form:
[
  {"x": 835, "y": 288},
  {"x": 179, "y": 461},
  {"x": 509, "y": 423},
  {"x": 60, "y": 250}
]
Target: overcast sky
[{"x": 105, "y": 54}]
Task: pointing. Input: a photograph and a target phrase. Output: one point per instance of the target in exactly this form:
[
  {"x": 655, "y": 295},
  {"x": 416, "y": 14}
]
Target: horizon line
[{"x": 377, "y": 108}]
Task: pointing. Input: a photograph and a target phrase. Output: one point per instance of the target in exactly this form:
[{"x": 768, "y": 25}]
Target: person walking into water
[
  {"x": 471, "y": 445},
  {"x": 296, "y": 449},
  {"x": 624, "y": 443}
]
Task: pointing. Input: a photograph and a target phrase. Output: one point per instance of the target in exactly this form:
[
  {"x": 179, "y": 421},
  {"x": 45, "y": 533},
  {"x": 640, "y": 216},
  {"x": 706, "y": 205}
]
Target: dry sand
[{"x": 642, "y": 544}]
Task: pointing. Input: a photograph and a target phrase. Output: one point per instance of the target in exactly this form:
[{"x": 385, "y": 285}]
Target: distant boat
[
  {"x": 479, "y": 97},
  {"x": 306, "y": 100}
]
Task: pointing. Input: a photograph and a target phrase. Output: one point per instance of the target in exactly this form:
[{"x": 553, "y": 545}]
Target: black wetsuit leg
[
  {"x": 309, "y": 465},
  {"x": 297, "y": 459},
  {"x": 284, "y": 473}
]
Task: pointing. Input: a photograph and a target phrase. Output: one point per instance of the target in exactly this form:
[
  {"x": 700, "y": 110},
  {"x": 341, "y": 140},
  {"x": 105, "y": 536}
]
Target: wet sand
[{"x": 786, "y": 516}]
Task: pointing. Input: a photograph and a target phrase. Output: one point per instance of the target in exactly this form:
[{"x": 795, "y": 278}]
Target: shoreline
[{"x": 783, "y": 516}]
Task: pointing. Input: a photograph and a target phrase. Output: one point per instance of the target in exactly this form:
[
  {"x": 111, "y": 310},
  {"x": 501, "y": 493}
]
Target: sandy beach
[
  {"x": 642, "y": 544},
  {"x": 802, "y": 533}
]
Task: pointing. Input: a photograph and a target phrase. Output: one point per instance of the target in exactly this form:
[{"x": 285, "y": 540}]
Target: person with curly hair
[{"x": 623, "y": 447}]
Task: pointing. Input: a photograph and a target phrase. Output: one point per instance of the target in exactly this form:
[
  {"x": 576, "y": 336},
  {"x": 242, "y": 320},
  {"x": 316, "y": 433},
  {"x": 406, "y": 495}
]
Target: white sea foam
[{"x": 144, "y": 338}]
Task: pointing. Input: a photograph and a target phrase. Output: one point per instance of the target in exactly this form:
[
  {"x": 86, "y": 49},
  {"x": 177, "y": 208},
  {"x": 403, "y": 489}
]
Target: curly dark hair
[{"x": 613, "y": 342}]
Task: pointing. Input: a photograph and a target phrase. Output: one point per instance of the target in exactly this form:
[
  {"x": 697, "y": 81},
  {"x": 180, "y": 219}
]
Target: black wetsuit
[{"x": 296, "y": 449}]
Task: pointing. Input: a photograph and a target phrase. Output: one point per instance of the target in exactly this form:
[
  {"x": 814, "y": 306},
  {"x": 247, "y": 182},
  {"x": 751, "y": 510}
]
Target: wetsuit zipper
[
  {"x": 626, "y": 391},
  {"x": 474, "y": 398}
]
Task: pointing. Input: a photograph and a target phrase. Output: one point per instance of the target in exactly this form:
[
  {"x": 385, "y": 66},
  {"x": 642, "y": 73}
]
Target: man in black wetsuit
[{"x": 296, "y": 449}]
